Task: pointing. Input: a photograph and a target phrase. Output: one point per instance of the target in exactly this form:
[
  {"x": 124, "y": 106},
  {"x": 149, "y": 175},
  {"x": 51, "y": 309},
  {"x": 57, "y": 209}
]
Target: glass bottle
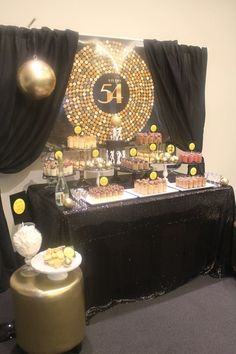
[{"x": 61, "y": 190}]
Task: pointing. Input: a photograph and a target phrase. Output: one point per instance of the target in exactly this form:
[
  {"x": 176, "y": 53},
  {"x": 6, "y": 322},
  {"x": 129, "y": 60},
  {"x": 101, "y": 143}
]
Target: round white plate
[{"x": 60, "y": 273}]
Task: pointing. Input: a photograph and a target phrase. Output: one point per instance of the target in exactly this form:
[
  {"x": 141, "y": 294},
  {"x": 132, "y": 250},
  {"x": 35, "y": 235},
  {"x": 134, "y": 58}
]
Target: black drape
[
  {"x": 7, "y": 256},
  {"x": 179, "y": 73},
  {"x": 25, "y": 124}
]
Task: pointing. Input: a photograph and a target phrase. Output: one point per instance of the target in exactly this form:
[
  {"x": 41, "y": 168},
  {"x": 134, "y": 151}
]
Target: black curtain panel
[
  {"x": 8, "y": 262},
  {"x": 25, "y": 123},
  {"x": 179, "y": 75}
]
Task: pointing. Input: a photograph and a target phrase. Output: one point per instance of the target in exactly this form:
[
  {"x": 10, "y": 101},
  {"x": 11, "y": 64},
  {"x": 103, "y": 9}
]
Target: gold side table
[{"x": 49, "y": 314}]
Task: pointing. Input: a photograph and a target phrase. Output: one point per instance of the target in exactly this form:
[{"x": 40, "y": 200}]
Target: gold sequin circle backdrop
[{"x": 93, "y": 61}]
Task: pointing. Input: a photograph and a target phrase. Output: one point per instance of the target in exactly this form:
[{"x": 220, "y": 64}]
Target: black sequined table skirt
[{"x": 143, "y": 247}]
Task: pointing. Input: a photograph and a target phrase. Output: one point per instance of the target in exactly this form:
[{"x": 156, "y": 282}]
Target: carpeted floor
[{"x": 197, "y": 318}]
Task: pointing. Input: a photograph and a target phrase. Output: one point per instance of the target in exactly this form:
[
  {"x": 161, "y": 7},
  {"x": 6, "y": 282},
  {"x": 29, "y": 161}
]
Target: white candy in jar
[{"x": 27, "y": 240}]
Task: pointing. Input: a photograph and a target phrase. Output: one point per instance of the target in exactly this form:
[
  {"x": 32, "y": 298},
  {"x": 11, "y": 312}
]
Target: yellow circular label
[
  {"x": 58, "y": 154},
  {"x": 153, "y": 175},
  {"x": 77, "y": 129},
  {"x": 95, "y": 153},
  {"x": 103, "y": 181},
  {"x": 19, "y": 206},
  {"x": 170, "y": 148},
  {"x": 153, "y": 128},
  {"x": 153, "y": 147},
  {"x": 193, "y": 171},
  {"x": 191, "y": 146},
  {"x": 133, "y": 152}
]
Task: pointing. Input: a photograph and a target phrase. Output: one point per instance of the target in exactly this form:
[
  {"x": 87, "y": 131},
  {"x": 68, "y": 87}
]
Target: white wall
[{"x": 209, "y": 23}]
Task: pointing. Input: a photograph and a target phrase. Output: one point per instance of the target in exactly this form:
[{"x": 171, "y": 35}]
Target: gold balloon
[
  {"x": 116, "y": 121},
  {"x": 36, "y": 78},
  {"x": 224, "y": 181}
]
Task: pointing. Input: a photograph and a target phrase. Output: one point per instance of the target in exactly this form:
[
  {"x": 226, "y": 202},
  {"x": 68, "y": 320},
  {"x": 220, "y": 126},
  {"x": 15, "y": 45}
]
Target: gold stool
[{"x": 49, "y": 315}]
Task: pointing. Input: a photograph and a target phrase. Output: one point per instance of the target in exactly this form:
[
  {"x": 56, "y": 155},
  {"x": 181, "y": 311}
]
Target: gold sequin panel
[{"x": 98, "y": 59}]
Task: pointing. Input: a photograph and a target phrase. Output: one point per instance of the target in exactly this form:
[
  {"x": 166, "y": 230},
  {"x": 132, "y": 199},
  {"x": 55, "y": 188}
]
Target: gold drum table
[{"x": 49, "y": 314}]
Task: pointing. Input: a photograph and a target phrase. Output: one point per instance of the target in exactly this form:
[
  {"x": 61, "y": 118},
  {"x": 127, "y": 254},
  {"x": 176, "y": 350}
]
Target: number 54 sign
[{"x": 111, "y": 93}]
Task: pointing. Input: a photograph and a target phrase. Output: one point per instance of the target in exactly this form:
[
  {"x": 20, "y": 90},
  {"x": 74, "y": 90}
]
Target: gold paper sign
[
  {"x": 103, "y": 181},
  {"x": 95, "y": 153},
  {"x": 170, "y": 148},
  {"x": 153, "y": 147},
  {"x": 77, "y": 129},
  {"x": 153, "y": 128},
  {"x": 58, "y": 155},
  {"x": 191, "y": 146},
  {"x": 111, "y": 88},
  {"x": 153, "y": 175},
  {"x": 133, "y": 152},
  {"x": 19, "y": 206},
  {"x": 193, "y": 171}
]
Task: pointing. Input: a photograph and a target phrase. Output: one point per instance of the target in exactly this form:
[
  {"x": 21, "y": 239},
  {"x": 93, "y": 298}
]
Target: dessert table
[{"x": 144, "y": 247}]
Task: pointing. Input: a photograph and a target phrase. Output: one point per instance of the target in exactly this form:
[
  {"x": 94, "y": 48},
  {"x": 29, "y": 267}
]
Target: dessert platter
[
  {"x": 207, "y": 185},
  {"x": 93, "y": 201},
  {"x": 98, "y": 164},
  {"x": 148, "y": 138},
  {"x": 56, "y": 262},
  {"x": 190, "y": 157},
  {"x": 104, "y": 194},
  {"x": 51, "y": 168},
  {"x": 190, "y": 183},
  {"x": 81, "y": 142},
  {"x": 134, "y": 164},
  {"x": 146, "y": 187},
  {"x": 167, "y": 191}
]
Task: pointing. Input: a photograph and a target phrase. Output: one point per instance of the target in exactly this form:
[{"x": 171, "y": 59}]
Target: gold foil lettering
[{"x": 111, "y": 95}]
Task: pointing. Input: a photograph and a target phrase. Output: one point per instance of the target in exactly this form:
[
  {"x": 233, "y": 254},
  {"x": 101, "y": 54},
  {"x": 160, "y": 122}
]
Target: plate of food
[
  {"x": 207, "y": 185},
  {"x": 141, "y": 195},
  {"x": 95, "y": 201},
  {"x": 56, "y": 262}
]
